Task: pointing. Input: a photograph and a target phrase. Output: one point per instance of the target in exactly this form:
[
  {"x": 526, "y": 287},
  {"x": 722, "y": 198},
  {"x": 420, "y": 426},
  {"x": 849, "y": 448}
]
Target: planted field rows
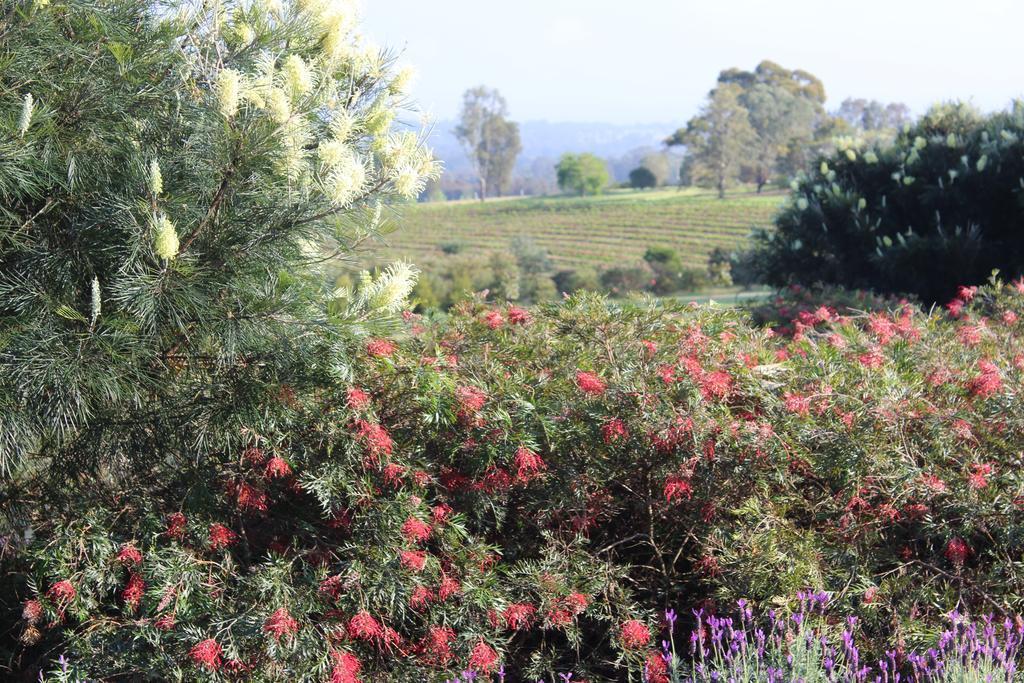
[{"x": 598, "y": 232}]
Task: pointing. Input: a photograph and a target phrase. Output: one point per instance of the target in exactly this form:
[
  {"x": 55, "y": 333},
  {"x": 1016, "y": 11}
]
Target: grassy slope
[{"x": 603, "y": 231}]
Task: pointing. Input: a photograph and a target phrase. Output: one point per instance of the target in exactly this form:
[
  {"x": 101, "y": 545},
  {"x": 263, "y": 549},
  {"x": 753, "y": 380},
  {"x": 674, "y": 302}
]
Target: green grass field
[{"x": 604, "y": 231}]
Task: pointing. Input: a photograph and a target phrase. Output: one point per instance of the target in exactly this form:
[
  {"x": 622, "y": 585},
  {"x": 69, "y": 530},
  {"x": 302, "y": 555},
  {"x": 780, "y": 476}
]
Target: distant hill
[{"x": 545, "y": 140}]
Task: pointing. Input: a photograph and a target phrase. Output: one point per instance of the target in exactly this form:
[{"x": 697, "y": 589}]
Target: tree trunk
[{"x": 483, "y": 188}]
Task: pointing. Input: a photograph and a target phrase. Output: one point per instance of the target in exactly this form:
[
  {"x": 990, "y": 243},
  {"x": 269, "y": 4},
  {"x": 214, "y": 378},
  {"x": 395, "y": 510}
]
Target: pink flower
[
  {"x": 32, "y": 611},
  {"x": 518, "y": 615},
  {"x": 470, "y": 399},
  {"x": 356, "y": 398},
  {"x": 518, "y": 316},
  {"x": 281, "y": 624},
  {"x": 421, "y": 597},
  {"x": 415, "y": 530},
  {"x": 529, "y": 465},
  {"x": 414, "y": 560},
  {"x": 134, "y": 591},
  {"x": 634, "y": 635},
  {"x": 795, "y": 403},
  {"x": 346, "y": 668},
  {"x": 381, "y": 348},
  {"x": 221, "y": 536},
  {"x": 207, "y": 654},
  {"x": 364, "y": 627},
  {"x": 129, "y": 554},
  {"x": 277, "y": 467},
  {"x": 614, "y": 430},
  {"x": 62, "y": 592},
  {"x": 494, "y": 319},
  {"x": 677, "y": 486},
  {"x": 483, "y": 658},
  {"x": 589, "y": 383},
  {"x": 957, "y": 551}
]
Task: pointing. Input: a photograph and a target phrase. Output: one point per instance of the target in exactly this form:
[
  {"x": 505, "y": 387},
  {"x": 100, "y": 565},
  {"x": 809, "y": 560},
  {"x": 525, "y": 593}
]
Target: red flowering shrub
[{"x": 485, "y": 513}]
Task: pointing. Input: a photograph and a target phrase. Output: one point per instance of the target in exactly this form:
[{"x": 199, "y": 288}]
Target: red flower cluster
[
  {"x": 277, "y": 468},
  {"x": 357, "y": 399},
  {"x": 614, "y": 430},
  {"x": 415, "y": 530},
  {"x": 364, "y": 627},
  {"x": 221, "y": 536},
  {"x": 375, "y": 439},
  {"x": 518, "y": 316},
  {"x": 957, "y": 551},
  {"x": 129, "y": 555},
  {"x": 176, "y": 525},
  {"x": 346, "y": 668},
  {"x": 518, "y": 615},
  {"x": 207, "y": 654},
  {"x": 634, "y": 635},
  {"x": 62, "y": 592},
  {"x": 281, "y": 624},
  {"x": 134, "y": 591},
  {"x": 528, "y": 464},
  {"x": 483, "y": 658},
  {"x": 381, "y": 348},
  {"x": 470, "y": 399},
  {"x": 589, "y": 383}
]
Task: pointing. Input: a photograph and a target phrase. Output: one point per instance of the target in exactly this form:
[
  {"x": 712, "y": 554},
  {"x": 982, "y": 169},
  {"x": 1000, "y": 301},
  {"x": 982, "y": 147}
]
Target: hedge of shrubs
[
  {"x": 946, "y": 197},
  {"x": 529, "y": 490}
]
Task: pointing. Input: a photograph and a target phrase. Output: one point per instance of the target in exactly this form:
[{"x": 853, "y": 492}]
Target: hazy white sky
[{"x": 633, "y": 61}]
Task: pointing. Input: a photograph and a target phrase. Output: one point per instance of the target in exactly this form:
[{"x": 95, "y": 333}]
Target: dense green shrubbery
[
  {"x": 560, "y": 470},
  {"x": 947, "y": 197}
]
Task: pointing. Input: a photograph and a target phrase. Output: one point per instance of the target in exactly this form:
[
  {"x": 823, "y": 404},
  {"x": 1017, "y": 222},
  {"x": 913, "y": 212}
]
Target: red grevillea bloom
[
  {"x": 437, "y": 647},
  {"x": 957, "y": 551},
  {"x": 795, "y": 403},
  {"x": 577, "y": 602},
  {"x": 634, "y": 634},
  {"x": 381, "y": 348},
  {"x": 655, "y": 668},
  {"x": 470, "y": 399},
  {"x": 421, "y": 597},
  {"x": 176, "y": 525},
  {"x": 331, "y": 587},
  {"x": 494, "y": 319},
  {"x": 518, "y": 615},
  {"x": 207, "y": 654},
  {"x": 589, "y": 383},
  {"x": 221, "y": 536},
  {"x": 277, "y": 468},
  {"x": 978, "y": 479},
  {"x": 415, "y": 530},
  {"x": 483, "y": 658},
  {"x": 32, "y": 611},
  {"x": 715, "y": 385},
  {"x": 346, "y": 668},
  {"x": 414, "y": 560},
  {"x": 129, "y": 554},
  {"x": 250, "y": 498},
  {"x": 281, "y": 624},
  {"x": 166, "y": 622},
  {"x": 988, "y": 381},
  {"x": 364, "y": 627},
  {"x": 356, "y": 398},
  {"x": 518, "y": 316},
  {"x": 440, "y": 513},
  {"x": 614, "y": 430},
  {"x": 529, "y": 465},
  {"x": 677, "y": 486},
  {"x": 448, "y": 587},
  {"x": 62, "y": 592},
  {"x": 375, "y": 438},
  {"x": 133, "y": 592}
]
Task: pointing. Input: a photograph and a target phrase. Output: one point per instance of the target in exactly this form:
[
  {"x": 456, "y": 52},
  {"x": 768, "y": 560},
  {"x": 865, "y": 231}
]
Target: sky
[{"x": 646, "y": 61}]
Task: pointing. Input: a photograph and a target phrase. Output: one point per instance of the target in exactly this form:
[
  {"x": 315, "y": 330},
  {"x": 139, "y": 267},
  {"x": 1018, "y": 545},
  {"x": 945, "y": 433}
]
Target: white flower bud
[
  {"x": 166, "y": 242},
  {"x": 27, "y": 107}
]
